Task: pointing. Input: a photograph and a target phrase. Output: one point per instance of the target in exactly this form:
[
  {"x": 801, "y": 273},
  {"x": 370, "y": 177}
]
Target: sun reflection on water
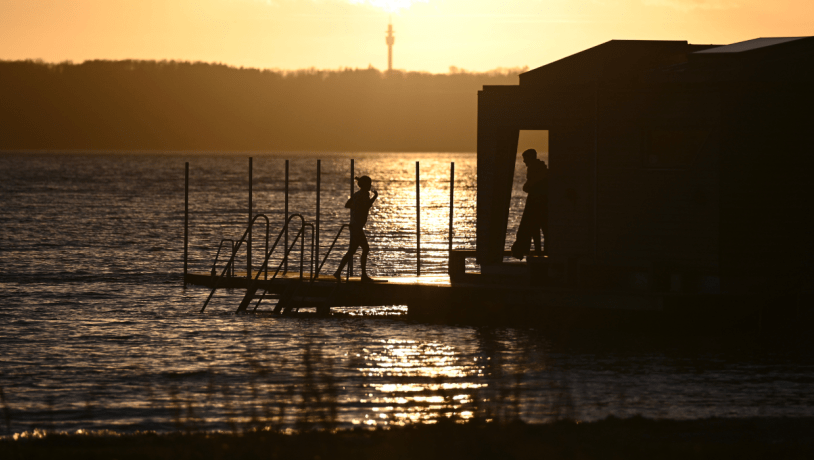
[{"x": 432, "y": 380}]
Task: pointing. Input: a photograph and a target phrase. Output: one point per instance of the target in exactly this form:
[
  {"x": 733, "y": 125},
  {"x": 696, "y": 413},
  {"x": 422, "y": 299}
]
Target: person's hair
[
  {"x": 530, "y": 153},
  {"x": 364, "y": 180}
]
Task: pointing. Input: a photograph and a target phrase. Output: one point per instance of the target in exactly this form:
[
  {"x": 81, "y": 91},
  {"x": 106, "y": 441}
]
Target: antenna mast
[{"x": 390, "y": 40}]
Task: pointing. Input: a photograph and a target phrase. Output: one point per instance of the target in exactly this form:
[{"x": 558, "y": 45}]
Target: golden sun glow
[
  {"x": 431, "y": 35},
  {"x": 436, "y": 382},
  {"x": 391, "y": 6}
]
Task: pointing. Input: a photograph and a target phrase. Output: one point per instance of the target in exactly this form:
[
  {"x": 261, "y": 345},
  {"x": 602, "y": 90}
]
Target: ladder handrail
[
  {"x": 314, "y": 275},
  {"x": 234, "y": 253},
  {"x": 264, "y": 267},
  {"x": 285, "y": 257},
  {"x": 324, "y": 259},
  {"x": 217, "y": 255}
]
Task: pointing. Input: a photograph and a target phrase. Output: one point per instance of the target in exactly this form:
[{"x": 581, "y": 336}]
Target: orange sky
[{"x": 431, "y": 35}]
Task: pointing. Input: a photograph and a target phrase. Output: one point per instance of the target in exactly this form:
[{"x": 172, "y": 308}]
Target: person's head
[
  {"x": 364, "y": 183},
  {"x": 529, "y": 156}
]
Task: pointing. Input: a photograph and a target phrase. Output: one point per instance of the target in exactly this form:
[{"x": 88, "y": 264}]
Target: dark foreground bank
[{"x": 632, "y": 438}]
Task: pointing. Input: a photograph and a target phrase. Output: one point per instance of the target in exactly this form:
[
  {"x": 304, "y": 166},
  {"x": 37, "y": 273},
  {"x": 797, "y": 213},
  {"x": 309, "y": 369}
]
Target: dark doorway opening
[{"x": 527, "y": 139}]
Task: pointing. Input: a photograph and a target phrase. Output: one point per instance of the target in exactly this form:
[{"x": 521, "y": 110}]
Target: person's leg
[
  {"x": 535, "y": 235},
  {"x": 544, "y": 221},
  {"x": 534, "y": 220},
  {"x": 365, "y": 252},
  {"x": 345, "y": 260},
  {"x": 354, "y": 245},
  {"x": 522, "y": 243}
]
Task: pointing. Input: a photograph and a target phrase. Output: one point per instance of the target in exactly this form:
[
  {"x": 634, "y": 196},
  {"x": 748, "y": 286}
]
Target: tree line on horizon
[{"x": 176, "y": 105}]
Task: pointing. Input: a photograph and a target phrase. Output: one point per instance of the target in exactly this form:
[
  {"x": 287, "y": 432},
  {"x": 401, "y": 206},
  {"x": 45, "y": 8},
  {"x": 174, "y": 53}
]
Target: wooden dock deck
[
  {"x": 478, "y": 300},
  {"x": 436, "y": 297}
]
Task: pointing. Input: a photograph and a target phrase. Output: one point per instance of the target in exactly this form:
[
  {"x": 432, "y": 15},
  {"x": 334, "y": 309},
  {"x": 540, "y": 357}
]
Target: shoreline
[{"x": 612, "y": 437}]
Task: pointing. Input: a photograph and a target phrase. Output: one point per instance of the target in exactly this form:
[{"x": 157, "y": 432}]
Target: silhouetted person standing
[
  {"x": 359, "y": 204},
  {"x": 535, "y": 215}
]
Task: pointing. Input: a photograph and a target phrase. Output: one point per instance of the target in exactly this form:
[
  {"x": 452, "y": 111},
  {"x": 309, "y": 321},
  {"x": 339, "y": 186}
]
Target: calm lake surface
[{"x": 97, "y": 332}]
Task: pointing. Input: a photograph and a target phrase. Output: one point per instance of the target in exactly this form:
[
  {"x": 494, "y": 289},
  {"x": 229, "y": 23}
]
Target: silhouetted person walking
[
  {"x": 535, "y": 215},
  {"x": 359, "y": 205}
]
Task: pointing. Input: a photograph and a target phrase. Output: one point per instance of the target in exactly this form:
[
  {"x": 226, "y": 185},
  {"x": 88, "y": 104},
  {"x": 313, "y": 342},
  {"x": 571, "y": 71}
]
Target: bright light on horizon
[
  {"x": 432, "y": 35},
  {"x": 391, "y": 6}
]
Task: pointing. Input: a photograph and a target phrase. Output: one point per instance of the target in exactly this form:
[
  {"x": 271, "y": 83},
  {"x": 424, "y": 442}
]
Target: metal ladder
[
  {"x": 299, "y": 294},
  {"x": 235, "y": 248},
  {"x": 312, "y": 294},
  {"x": 254, "y": 285}
]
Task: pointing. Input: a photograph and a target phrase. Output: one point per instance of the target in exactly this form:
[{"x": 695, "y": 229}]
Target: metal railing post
[
  {"x": 350, "y": 262},
  {"x": 285, "y": 240},
  {"x": 417, "y": 221},
  {"x": 302, "y": 252},
  {"x": 316, "y": 228},
  {"x": 451, "y": 203},
  {"x": 249, "y": 239},
  {"x": 186, "y": 219}
]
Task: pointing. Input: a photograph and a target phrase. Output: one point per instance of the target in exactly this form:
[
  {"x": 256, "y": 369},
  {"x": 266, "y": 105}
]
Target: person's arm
[
  {"x": 375, "y": 195},
  {"x": 349, "y": 204}
]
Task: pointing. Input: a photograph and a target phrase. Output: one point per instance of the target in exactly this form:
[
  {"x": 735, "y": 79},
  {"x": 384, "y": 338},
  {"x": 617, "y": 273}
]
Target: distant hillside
[{"x": 199, "y": 106}]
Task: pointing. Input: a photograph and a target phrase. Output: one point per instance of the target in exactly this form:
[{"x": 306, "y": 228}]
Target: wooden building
[{"x": 673, "y": 167}]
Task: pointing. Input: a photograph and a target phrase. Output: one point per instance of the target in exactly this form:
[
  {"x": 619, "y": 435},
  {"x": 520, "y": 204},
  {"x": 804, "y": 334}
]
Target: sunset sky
[{"x": 431, "y": 35}]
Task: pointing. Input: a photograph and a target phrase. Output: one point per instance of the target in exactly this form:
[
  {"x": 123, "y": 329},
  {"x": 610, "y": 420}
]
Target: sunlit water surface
[{"x": 96, "y": 331}]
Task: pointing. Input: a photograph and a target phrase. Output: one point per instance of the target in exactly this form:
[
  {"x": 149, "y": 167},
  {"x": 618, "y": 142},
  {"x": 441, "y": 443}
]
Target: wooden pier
[
  {"x": 437, "y": 290},
  {"x": 539, "y": 292},
  {"x": 477, "y": 300},
  {"x": 437, "y": 298}
]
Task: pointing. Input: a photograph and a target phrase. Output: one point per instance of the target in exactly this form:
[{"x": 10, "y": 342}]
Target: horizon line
[{"x": 453, "y": 69}]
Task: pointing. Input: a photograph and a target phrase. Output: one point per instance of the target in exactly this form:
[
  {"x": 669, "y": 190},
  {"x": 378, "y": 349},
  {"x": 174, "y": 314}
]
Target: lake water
[{"x": 98, "y": 333}]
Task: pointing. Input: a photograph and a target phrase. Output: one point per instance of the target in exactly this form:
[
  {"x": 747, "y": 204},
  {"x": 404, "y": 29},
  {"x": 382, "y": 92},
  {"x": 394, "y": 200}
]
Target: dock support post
[
  {"x": 417, "y": 221},
  {"x": 285, "y": 229},
  {"x": 350, "y": 262},
  {"x": 249, "y": 237},
  {"x": 451, "y": 202},
  {"x": 186, "y": 219},
  {"x": 316, "y": 228}
]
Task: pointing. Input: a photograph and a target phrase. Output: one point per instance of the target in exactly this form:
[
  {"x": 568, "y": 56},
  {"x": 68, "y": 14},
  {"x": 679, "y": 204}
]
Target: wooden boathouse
[
  {"x": 679, "y": 183},
  {"x": 674, "y": 167}
]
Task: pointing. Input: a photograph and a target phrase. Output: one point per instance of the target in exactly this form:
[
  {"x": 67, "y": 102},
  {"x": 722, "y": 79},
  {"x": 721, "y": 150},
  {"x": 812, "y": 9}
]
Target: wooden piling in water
[{"x": 186, "y": 219}]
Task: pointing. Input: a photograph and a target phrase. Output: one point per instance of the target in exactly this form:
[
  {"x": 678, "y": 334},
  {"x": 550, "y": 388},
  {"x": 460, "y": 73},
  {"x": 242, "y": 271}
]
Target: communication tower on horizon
[{"x": 390, "y": 40}]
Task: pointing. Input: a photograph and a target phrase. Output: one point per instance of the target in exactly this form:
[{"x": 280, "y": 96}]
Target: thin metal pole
[
  {"x": 596, "y": 167},
  {"x": 417, "y": 221},
  {"x": 186, "y": 219},
  {"x": 350, "y": 262},
  {"x": 316, "y": 229},
  {"x": 285, "y": 230},
  {"x": 249, "y": 238},
  {"x": 451, "y": 202}
]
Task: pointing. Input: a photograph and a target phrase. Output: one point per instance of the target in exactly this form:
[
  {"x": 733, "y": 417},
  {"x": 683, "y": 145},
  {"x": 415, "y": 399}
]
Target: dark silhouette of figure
[
  {"x": 535, "y": 215},
  {"x": 359, "y": 204}
]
